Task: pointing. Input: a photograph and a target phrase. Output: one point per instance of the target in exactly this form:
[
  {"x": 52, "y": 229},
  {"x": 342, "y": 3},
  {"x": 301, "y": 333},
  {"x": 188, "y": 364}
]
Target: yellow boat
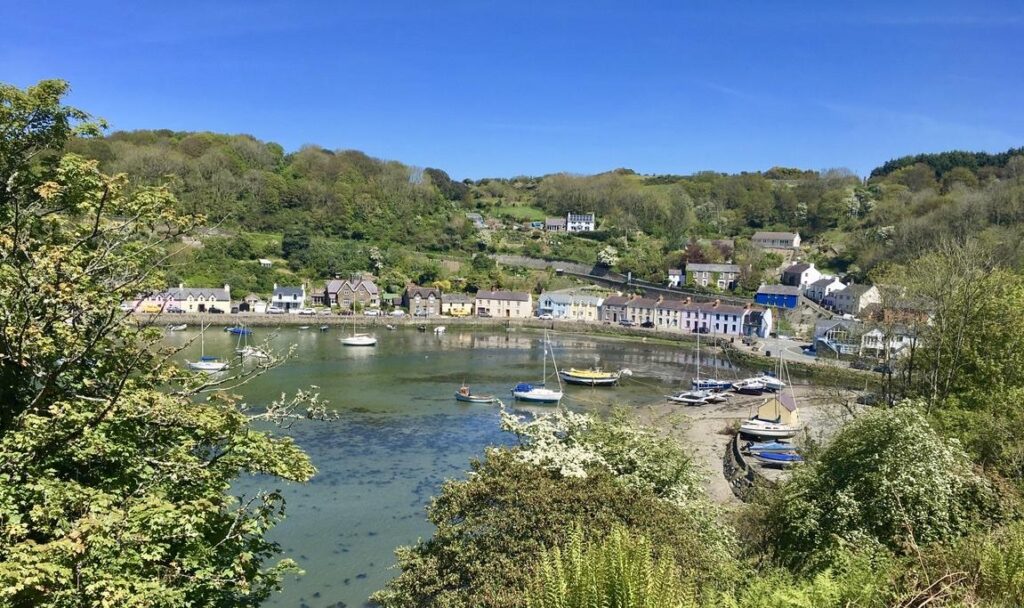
[{"x": 589, "y": 377}]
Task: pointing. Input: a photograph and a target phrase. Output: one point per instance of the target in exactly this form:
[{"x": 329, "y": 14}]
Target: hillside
[{"x": 320, "y": 212}]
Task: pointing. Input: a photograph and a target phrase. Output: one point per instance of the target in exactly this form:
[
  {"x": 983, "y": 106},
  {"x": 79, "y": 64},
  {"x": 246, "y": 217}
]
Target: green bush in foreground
[
  {"x": 517, "y": 503},
  {"x": 620, "y": 571},
  {"x": 887, "y": 481}
]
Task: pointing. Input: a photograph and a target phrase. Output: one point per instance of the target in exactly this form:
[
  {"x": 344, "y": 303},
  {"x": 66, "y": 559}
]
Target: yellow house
[
  {"x": 781, "y": 409},
  {"x": 585, "y": 308},
  {"x": 456, "y": 305},
  {"x": 504, "y": 304}
]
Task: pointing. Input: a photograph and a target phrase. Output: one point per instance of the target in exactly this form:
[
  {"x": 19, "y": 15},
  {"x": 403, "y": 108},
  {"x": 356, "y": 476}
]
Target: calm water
[{"x": 401, "y": 433}]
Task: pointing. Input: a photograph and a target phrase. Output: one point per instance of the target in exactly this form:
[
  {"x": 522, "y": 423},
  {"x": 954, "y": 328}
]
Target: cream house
[
  {"x": 504, "y": 304},
  {"x": 188, "y": 299},
  {"x": 456, "y": 305}
]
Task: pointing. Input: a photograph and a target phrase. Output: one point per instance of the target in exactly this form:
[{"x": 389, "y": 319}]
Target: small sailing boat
[
  {"x": 539, "y": 394},
  {"x": 243, "y": 349},
  {"x": 467, "y": 396},
  {"x": 206, "y": 364},
  {"x": 357, "y": 339},
  {"x": 707, "y": 384},
  {"x": 178, "y": 327},
  {"x": 776, "y": 418},
  {"x": 590, "y": 377}
]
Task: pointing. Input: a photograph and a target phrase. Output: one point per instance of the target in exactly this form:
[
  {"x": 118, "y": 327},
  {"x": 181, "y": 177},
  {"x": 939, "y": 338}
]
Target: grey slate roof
[
  {"x": 456, "y": 298},
  {"x": 712, "y": 268},
  {"x": 288, "y": 291},
  {"x": 182, "y": 293},
  {"x": 857, "y": 290},
  {"x": 775, "y": 235},
  {"x": 796, "y": 268},
  {"x": 514, "y": 296},
  {"x": 779, "y": 290}
]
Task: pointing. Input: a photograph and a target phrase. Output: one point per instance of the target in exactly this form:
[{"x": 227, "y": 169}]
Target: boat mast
[
  {"x": 554, "y": 364},
  {"x": 698, "y": 348}
]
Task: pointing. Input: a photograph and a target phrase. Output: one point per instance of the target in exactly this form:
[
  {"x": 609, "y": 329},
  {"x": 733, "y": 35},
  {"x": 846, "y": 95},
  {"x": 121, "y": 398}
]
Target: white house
[
  {"x": 506, "y": 304},
  {"x": 265, "y": 263},
  {"x": 289, "y": 298},
  {"x": 800, "y": 275},
  {"x": 856, "y": 298},
  {"x": 554, "y": 224},
  {"x": 580, "y": 222},
  {"x": 823, "y": 288},
  {"x": 721, "y": 276},
  {"x": 675, "y": 277},
  {"x": 776, "y": 240}
]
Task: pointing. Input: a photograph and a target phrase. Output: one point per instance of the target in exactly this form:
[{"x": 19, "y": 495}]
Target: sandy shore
[{"x": 703, "y": 429}]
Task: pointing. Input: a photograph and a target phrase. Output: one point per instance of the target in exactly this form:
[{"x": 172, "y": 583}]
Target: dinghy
[
  {"x": 778, "y": 459},
  {"x": 467, "y": 396},
  {"x": 690, "y": 397}
]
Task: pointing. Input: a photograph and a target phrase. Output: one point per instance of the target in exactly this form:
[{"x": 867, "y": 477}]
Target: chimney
[
  {"x": 181, "y": 286},
  {"x": 717, "y": 302},
  {"x": 227, "y": 288},
  {"x": 689, "y": 300},
  {"x": 275, "y": 286}
]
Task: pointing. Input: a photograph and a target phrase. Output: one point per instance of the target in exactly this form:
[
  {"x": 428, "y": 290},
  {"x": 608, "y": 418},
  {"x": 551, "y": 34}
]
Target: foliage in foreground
[
  {"x": 113, "y": 472},
  {"x": 887, "y": 481},
  {"x": 620, "y": 571},
  {"x": 518, "y": 502}
]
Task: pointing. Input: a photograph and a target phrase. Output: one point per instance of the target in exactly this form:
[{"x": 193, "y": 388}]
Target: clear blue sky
[{"x": 484, "y": 88}]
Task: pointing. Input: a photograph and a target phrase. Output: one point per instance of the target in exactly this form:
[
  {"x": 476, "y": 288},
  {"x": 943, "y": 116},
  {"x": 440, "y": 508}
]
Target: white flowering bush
[{"x": 887, "y": 481}]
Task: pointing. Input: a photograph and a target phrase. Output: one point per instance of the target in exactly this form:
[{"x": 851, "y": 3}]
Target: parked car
[
  {"x": 647, "y": 325},
  {"x": 127, "y": 307},
  {"x": 275, "y": 310},
  {"x": 422, "y": 313},
  {"x": 307, "y": 311},
  {"x": 213, "y": 310},
  {"x": 175, "y": 310},
  {"x": 484, "y": 315},
  {"x": 345, "y": 312},
  {"x": 626, "y": 323},
  {"x": 371, "y": 312},
  {"x": 398, "y": 313},
  {"x": 546, "y": 317}
]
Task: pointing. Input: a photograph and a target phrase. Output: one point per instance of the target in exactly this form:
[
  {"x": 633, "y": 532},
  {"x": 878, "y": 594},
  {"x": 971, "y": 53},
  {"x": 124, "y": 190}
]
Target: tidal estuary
[{"x": 400, "y": 432}]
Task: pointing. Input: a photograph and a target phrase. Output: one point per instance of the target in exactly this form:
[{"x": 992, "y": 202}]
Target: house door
[{"x": 202, "y": 308}]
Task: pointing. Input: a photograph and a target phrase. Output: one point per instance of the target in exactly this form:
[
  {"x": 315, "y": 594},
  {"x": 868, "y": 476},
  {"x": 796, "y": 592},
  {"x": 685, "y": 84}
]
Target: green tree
[
  {"x": 886, "y": 482},
  {"x": 114, "y": 475}
]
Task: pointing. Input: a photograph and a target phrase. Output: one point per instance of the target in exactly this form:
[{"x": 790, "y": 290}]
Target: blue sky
[{"x": 483, "y": 88}]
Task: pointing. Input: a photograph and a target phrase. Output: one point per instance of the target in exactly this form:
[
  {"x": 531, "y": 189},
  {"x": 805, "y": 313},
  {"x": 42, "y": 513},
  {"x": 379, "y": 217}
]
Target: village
[{"x": 833, "y": 319}]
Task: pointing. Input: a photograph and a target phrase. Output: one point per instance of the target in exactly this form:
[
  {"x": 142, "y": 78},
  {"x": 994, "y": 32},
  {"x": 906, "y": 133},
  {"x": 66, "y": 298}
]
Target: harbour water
[{"x": 400, "y": 432}]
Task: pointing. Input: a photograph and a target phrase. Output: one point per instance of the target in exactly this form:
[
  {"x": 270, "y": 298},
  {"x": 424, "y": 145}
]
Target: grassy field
[{"x": 520, "y": 212}]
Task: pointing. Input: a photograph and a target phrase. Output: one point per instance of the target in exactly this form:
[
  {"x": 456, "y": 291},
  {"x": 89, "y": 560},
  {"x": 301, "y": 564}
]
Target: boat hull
[
  {"x": 538, "y": 396},
  {"x": 359, "y": 341},
  {"x": 711, "y": 385},
  {"x": 475, "y": 398},
  {"x": 768, "y": 431},
  {"x": 778, "y": 459},
  {"x": 207, "y": 366},
  {"x": 584, "y": 381}
]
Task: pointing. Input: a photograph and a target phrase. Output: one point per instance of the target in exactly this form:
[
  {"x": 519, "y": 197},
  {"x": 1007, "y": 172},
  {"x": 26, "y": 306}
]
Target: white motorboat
[
  {"x": 748, "y": 386},
  {"x": 771, "y": 383},
  {"x": 440, "y": 329},
  {"x": 539, "y": 394},
  {"x": 178, "y": 327},
  {"x": 359, "y": 340}
]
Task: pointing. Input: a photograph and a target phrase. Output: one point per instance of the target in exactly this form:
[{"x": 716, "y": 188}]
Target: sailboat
[
  {"x": 539, "y": 394},
  {"x": 358, "y": 339},
  {"x": 776, "y": 418},
  {"x": 244, "y": 349},
  {"x": 708, "y": 384},
  {"x": 697, "y": 396},
  {"x": 206, "y": 364}
]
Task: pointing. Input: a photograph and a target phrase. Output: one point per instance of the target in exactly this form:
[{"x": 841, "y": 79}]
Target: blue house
[
  {"x": 779, "y": 296},
  {"x": 557, "y": 305}
]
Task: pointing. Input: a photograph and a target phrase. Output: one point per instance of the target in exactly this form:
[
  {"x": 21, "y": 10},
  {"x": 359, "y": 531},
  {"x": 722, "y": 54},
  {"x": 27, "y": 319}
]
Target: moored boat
[
  {"x": 756, "y": 427},
  {"x": 770, "y": 382},
  {"x": 748, "y": 386},
  {"x": 238, "y": 330},
  {"x": 251, "y": 352},
  {"x": 711, "y": 384},
  {"x": 208, "y": 364},
  {"x": 589, "y": 377},
  {"x": 525, "y": 391},
  {"x": 779, "y": 459},
  {"x": 535, "y": 394},
  {"x": 178, "y": 327},
  {"x": 359, "y": 340},
  {"x": 690, "y": 397},
  {"x": 769, "y": 446},
  {"x": 440, "y": 329},
  {"x": 466, "y": 395}
]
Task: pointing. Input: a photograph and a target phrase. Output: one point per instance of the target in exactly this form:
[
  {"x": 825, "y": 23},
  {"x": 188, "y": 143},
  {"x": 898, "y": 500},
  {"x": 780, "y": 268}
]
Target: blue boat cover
[
  {"x": 208, "y": 358},
  {"x": 779, "y": 457},
  {"x": 240, "y": 331},
  {"x": 522, "y": 387}
]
